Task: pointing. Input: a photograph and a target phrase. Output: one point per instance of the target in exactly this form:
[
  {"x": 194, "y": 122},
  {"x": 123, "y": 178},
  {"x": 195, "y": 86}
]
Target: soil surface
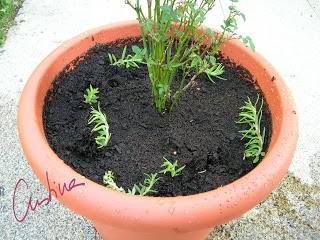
[{"x": 201, "y": 132}]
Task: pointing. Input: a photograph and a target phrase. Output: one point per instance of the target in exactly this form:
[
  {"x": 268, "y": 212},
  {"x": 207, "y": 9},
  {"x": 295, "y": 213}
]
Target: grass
[{"x": 8, "y": 11}]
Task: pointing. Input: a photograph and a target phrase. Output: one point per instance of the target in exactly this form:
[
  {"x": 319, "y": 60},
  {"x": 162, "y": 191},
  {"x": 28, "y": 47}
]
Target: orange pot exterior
[{"x": 119, "y": 216}]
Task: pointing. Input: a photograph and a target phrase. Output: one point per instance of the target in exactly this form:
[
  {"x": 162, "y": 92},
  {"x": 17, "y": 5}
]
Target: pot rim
[{"x": 183, "y": 212}]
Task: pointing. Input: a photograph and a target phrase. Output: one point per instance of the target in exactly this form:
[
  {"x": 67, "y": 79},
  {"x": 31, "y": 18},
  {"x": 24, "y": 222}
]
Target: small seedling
[
  {"x": 108, "y": 180},
  {"x": 91, "y": 96},
  {"x": 141, "y": 189},
  {"x": 213, "y": 69},
  {"x": 207, "y": 65},
  {"x": 251, "y": 116},
  {"x": 101, "y": 127},
  {"x": 147, "y": 185},
  {"x": 171, "y": 168},
  {"x": 129, "y": 60}
]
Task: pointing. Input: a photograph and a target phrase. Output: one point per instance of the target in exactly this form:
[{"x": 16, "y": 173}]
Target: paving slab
[
  {"x": 285, "y": 32},
  {"x": 315, "y": 5}
]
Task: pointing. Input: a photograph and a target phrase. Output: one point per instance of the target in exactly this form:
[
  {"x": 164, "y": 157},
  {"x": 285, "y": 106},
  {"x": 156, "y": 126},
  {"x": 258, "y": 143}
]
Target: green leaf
[
  {"x": 211, "y": 34},
  {"x": 136, "y": 49},
  {"x": 212, "y": 60},
  {"x": 110, "y": 58},
  {"x": 166, "y": 8},
  {"x": 252, "y": 46},
  {"x": 171, "y": 168},
  {"x": 243, "y": 16},
  {"x": 251, "y": 116},
  {"x": 101, "y": 126},
  {"x": 124, "y": 52}
]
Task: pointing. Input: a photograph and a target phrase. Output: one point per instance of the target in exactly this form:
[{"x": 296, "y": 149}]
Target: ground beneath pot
[{"x": 200, "y": 133}]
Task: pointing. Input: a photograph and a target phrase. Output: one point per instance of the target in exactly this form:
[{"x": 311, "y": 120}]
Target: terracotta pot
[{"x": 119, "y": 216}]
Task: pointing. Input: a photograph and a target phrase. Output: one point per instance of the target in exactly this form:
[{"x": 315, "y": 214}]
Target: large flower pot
[{"x": 119, "y": 216}]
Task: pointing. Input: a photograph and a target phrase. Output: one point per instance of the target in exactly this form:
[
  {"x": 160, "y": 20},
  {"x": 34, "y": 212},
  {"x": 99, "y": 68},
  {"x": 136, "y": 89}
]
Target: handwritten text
[{"x": 37, "y": 203}]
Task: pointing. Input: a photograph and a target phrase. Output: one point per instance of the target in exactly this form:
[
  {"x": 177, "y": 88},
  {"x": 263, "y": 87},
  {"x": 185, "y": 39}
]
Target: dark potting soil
[{"x": 201, "y": 132}]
